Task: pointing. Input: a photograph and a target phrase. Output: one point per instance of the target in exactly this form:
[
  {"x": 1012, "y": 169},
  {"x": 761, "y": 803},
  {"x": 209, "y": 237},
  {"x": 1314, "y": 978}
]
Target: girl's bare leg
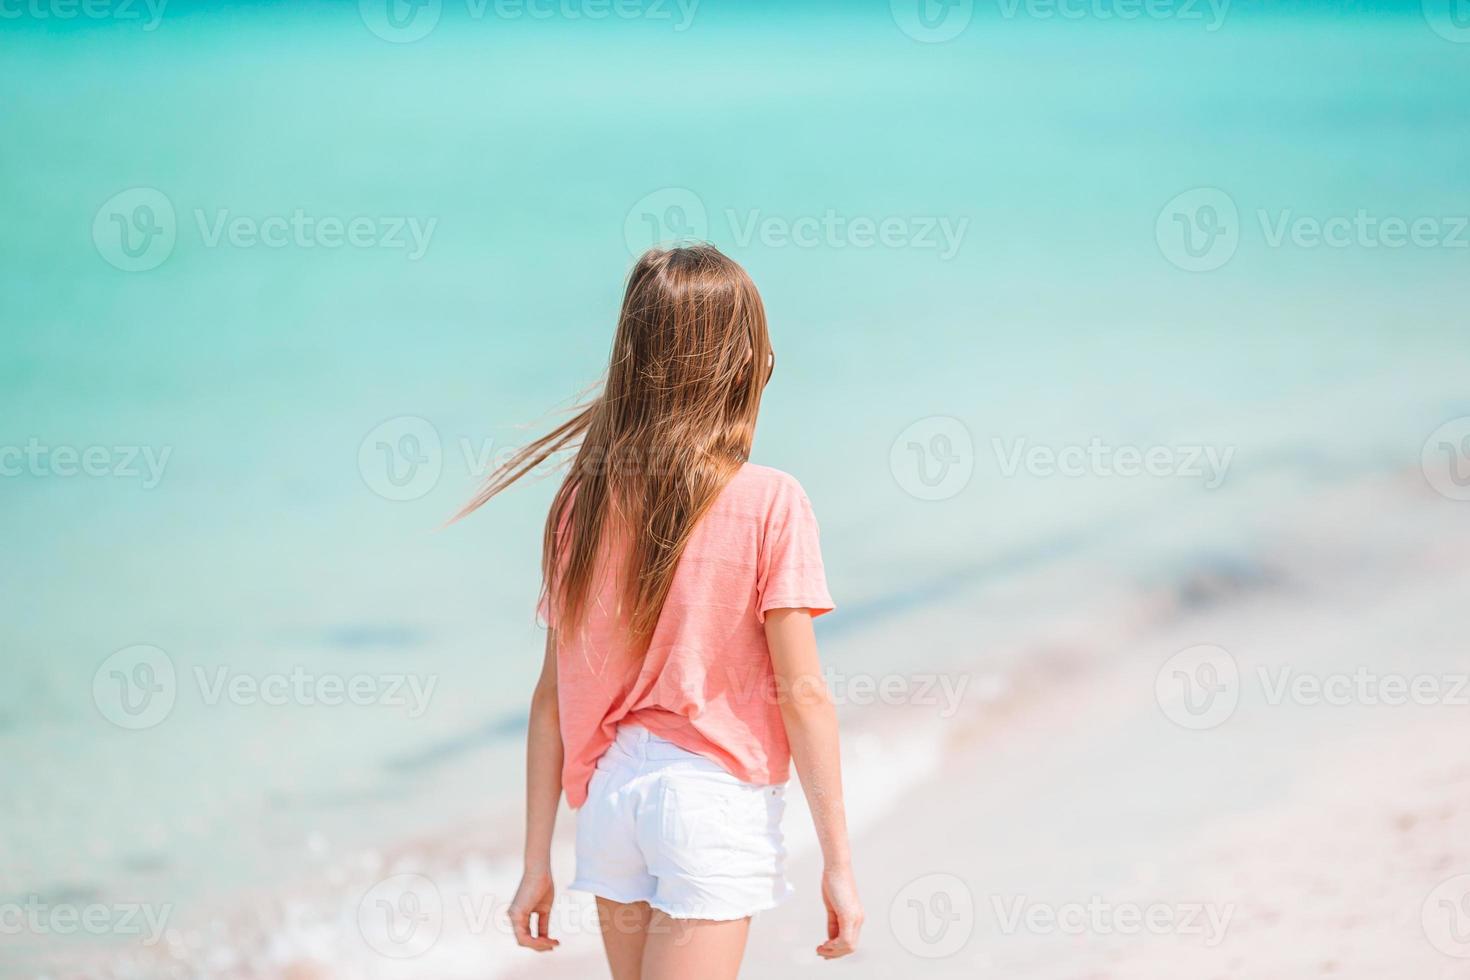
[
  {"x": 678, "y": 949},
  {"x": 624, "y": 928}
]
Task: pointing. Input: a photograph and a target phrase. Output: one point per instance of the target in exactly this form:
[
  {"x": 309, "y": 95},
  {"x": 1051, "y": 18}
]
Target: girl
[{"x": 680, "y": 678}]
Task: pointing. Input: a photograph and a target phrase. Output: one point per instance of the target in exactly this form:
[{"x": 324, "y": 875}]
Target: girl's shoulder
[{"x": 766, "y": 484}]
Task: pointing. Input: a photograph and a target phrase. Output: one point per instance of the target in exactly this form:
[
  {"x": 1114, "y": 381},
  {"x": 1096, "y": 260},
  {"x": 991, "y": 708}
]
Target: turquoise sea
[{"x": 278, "y": 281}]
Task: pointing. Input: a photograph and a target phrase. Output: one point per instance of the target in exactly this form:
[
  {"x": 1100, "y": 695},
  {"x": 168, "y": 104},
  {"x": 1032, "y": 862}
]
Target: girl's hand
[
  {"x": 533, "y": 897},
  {"x": 844, "y": 913}
]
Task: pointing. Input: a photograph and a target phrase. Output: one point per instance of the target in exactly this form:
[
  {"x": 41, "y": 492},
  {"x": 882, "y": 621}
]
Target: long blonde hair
[{"x": 671, "y": 426}]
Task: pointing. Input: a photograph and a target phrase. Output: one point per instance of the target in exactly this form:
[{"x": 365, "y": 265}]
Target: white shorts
[{"x": 668, "y": 827}]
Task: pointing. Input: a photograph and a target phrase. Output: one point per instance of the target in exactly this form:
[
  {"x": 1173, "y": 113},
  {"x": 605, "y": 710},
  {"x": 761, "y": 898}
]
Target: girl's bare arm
[
  {"x": 811, "y": 728},
  {"x": 543, "y": 796}
]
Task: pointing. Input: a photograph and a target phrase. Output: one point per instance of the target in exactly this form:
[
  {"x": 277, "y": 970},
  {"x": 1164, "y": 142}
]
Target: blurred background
[{"x": 1121, "y": 349}]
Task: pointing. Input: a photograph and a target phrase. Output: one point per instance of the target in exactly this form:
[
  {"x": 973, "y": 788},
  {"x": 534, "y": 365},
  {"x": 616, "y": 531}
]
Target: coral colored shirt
[{"x": 706, "y": 682}]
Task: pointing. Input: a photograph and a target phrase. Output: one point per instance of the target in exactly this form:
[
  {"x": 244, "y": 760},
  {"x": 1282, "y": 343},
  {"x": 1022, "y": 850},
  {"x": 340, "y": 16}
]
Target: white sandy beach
[{"x": 1053, "y": 821}]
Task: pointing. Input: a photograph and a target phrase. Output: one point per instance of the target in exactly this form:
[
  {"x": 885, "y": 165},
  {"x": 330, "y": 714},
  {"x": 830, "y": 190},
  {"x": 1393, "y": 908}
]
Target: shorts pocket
[
  {"x": 713, "y": 824},
  {"x": 596, "y": 809}
]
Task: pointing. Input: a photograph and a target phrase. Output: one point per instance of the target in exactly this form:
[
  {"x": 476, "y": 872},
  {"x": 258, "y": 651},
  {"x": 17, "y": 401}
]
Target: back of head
[
  {"x": 672, "y": 425},
  {"x": 680, "y": 391}
]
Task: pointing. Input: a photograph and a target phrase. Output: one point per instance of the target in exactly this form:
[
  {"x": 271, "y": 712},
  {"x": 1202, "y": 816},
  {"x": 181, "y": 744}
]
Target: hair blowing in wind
[{"x": 671, "y": 426}]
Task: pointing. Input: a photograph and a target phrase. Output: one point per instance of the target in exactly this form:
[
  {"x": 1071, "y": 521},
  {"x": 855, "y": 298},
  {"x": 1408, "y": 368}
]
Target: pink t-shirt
[{"x": 705, "y": 683}]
